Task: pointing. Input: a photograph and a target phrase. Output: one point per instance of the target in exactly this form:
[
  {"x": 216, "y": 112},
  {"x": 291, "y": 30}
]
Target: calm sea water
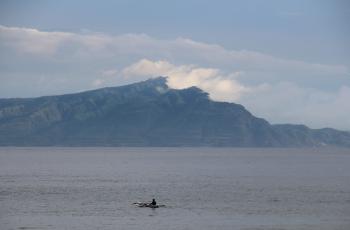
[{"x": 202, "y": 188}]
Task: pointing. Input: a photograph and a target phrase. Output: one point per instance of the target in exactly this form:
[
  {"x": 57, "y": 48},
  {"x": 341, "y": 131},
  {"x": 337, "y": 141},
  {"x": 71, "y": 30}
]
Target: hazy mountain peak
[{"x": 159, "y": 81}]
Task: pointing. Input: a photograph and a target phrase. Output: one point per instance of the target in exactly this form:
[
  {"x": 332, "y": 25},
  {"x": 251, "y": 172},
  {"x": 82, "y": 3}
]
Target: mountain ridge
[{"x": 148, "y": 113}]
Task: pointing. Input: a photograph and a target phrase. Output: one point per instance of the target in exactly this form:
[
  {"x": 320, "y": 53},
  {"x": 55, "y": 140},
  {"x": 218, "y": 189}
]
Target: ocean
[{"x": 201, "y": 188}]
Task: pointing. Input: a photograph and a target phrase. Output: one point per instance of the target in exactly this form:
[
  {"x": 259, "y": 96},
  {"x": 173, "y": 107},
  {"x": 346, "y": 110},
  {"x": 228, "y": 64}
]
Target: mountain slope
[{"x": 147, "y": 114}]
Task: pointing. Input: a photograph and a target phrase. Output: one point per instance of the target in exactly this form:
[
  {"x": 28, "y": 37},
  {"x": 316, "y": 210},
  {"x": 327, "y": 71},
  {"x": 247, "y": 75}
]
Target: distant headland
[{"x": 148, "y": 113}]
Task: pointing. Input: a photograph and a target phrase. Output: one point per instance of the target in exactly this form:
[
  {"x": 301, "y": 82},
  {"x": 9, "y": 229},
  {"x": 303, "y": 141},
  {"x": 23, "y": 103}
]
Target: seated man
[{"x": 153, "y": 202}]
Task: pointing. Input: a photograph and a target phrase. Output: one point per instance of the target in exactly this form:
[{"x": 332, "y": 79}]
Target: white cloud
[
  {"x": 33, "y": 41},
  {"x": 219, "y": 86},
  {"x": 148, "y": 68},
  {"x": 109, "y": 72},
  {"x": 29, "y": 40},
  {"x": 136, "y": 46}
]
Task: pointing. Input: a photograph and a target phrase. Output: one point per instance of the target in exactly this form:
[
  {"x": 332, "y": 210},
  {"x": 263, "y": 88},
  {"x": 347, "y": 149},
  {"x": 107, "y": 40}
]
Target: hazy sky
[{"x": 286, "y": 61}]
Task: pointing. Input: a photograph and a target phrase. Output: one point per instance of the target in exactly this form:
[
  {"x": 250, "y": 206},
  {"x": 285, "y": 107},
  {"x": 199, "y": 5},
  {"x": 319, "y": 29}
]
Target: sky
[{"x": 286, "y": 61}]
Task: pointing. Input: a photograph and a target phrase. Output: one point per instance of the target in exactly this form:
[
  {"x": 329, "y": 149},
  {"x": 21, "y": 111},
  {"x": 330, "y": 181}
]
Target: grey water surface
[{"x": 202, "y": 188}]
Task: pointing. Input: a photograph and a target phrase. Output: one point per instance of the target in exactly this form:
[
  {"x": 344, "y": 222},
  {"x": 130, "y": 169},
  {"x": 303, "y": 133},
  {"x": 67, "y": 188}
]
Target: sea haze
[{"x": 202, "y": 188}]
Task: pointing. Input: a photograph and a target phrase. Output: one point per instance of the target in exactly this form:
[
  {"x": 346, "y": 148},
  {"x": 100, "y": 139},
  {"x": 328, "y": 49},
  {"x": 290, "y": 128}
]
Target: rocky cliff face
[{"x": 147, "y": 114}]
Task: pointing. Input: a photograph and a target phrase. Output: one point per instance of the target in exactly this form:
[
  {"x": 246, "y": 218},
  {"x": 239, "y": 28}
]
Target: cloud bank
[
  {"x": 220, "y": 87},
  {"x": 137, "y": 46}
]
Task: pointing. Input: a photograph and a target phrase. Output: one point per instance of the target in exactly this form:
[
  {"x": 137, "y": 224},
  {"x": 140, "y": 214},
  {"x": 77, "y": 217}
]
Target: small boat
[{"x": 147, "y": 205}]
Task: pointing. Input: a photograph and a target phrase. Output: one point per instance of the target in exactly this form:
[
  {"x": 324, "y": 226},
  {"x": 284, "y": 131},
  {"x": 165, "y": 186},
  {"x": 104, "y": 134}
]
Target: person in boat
[{"x": 153, "y": 202}]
